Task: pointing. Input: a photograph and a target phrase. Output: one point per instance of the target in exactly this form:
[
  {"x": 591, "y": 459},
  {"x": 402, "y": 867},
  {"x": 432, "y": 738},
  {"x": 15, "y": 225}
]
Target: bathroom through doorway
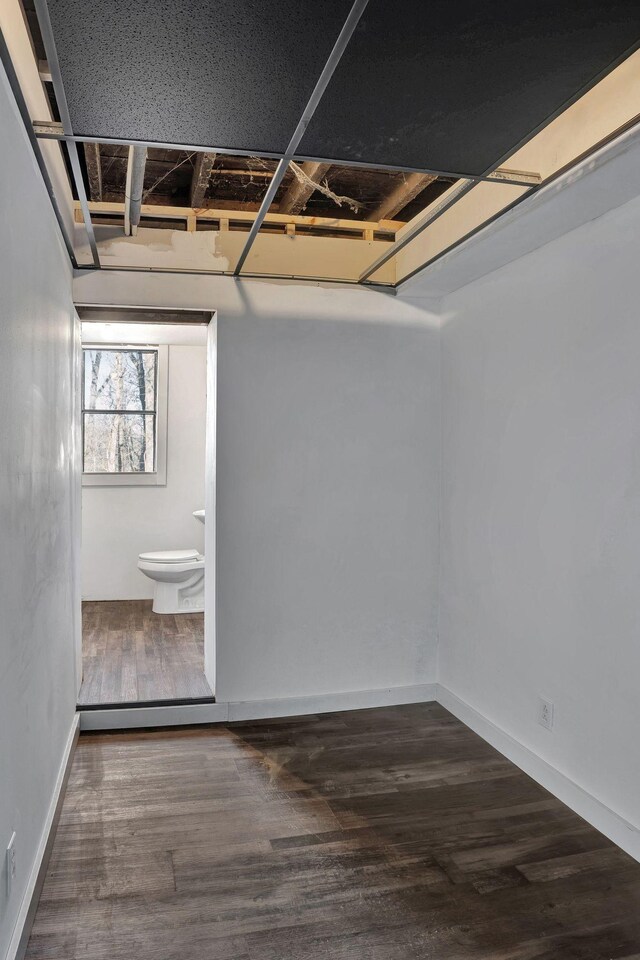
[{"x": 146, "y": 415}]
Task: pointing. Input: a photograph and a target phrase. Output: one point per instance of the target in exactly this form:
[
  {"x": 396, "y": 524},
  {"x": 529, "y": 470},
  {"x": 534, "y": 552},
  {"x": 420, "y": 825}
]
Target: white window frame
[{"x": 159, "y": 477}]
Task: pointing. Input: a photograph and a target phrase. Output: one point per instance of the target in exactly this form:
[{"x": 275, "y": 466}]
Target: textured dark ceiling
[
  {"x": 448, "y": 85},
  {"x": 453, "y": 85},
  {"x": 234, "y": 73}
]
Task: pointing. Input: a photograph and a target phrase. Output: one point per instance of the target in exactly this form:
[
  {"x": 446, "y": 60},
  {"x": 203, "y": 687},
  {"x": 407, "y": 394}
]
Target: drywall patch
[{"x": 152, "y": 247}]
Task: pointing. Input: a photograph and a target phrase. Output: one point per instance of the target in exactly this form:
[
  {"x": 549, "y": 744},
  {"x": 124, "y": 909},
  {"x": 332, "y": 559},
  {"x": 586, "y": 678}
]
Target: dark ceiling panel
[
  {"x": 454, "y": 86},
  {"x": 202, "y": 72}
]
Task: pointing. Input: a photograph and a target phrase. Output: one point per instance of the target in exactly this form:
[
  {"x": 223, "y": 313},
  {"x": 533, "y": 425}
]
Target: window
[{"x": 123, "y": 414}]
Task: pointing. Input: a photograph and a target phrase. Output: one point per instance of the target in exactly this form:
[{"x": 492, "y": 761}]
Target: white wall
[
  {"x": 121, "y": 522},
  {"x": 38, "y": 477},
  {"x": 328, "y": 477},
  {"x": 327, "y": 441},
  {"x": 541, "y": 502}
]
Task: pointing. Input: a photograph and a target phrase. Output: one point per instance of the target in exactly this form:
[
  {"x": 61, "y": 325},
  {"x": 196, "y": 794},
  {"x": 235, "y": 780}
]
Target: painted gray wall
[
  {"x": 38, "y": 505},
  {"x": 541, "y": 502},
  {"x": 328, "y": 482}
]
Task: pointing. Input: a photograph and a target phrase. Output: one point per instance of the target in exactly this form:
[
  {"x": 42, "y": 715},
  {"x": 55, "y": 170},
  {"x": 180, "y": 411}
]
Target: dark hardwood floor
[
  {"x": 388, "y": 834},
  {"x": 130, "y": 653}
]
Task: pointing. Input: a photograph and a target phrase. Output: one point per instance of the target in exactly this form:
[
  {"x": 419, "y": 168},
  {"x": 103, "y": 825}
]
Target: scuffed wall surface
[{"x": 38, "y": 504}]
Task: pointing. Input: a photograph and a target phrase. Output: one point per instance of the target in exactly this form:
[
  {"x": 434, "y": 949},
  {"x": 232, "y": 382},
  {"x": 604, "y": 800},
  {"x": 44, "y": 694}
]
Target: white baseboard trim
[
  {"x": 331, "y": 702},
  {"x": 160, "y": 716},
  {"x": 625, "y": 834},
  {"x": 26, "y": 913}
]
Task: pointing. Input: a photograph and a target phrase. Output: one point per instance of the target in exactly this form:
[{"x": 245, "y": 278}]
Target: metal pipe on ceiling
[{"x": 134, "y": 188}]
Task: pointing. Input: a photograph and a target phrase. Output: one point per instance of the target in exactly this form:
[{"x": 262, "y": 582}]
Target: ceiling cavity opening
[{"x": 330, "y": 171}]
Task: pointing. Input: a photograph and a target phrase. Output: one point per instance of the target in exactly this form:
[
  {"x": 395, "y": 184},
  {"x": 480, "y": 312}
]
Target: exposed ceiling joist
[
  {"x": 200, "y": 178},
  {"x": 402, "y": 194},
  {"x": 94, "y": 170},
  {"x": 296, "y": 197}
]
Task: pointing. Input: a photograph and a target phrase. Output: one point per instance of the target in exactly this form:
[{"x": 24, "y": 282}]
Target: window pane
[
  {"x": 119, "y": 443},
  {"x": 120, "y": 379}
]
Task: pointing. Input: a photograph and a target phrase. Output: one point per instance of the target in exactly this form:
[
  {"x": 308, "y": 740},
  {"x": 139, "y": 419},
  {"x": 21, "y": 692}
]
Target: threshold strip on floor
[
  {"x": 128, "y": 704},
  {"x": 161, "y": 714}
]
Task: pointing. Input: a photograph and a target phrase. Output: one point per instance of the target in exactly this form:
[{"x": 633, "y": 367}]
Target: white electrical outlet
[
  {"x": 11, "y": 863},
  {"x": 545, "y": 713}
]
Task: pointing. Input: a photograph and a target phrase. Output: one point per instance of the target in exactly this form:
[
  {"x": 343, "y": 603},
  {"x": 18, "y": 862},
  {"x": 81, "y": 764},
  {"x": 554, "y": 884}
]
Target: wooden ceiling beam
[
  {"x": 402, "y": 194},
  {"x": 200, "y": 178},
  {"x": 296, "y": 197},
  {"x": 94, "y": 170}
]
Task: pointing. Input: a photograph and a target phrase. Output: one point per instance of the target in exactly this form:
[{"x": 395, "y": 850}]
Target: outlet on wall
[
  {"x": 545, "y": 713},
  {"x": 11, "y": 863}
]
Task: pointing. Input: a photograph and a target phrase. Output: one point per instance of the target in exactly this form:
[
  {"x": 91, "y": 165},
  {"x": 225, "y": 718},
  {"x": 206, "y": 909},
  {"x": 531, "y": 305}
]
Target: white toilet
[{"x": 178, "y": 576}]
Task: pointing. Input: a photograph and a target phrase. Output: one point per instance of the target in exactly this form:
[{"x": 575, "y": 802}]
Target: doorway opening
[{"x": 146, "y": 416}]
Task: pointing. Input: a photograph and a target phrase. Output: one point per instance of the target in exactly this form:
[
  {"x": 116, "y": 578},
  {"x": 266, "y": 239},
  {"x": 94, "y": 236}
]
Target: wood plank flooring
[
  {"x": 388, "y": 834},
  {"x": 130, "y": 653}
]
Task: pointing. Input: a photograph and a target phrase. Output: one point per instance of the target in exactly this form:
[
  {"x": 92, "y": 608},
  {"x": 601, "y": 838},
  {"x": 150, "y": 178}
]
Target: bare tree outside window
[{"x": 119, "y": 410}]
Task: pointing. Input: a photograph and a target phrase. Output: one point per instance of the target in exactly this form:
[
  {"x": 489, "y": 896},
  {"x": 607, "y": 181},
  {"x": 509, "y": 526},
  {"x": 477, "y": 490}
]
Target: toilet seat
[
  {"x": 170, "y": 556},
  {"x": 178, "y": 577}
]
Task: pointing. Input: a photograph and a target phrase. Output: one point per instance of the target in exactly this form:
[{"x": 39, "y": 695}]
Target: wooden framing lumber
[
  {"x": 299, "y": 192},
  {"x": 226, "y": 217},
  {"x": 94, "y": 170},
  {"x": 402, "y": 194},
  {"x": 200, "y": 178}
]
